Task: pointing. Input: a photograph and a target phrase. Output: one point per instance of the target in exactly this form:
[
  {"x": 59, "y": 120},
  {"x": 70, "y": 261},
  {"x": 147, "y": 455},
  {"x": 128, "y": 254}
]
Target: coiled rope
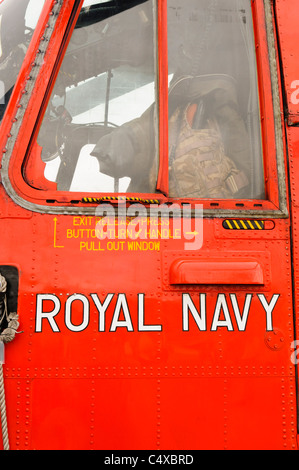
[
  {"x": 10, "y": 324},
  {"x": 3, "y": 412}
]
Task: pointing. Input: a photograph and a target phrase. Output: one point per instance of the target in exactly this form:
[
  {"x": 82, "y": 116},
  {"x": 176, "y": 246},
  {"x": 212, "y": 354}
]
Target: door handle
[{"x": 216, "y": 271}]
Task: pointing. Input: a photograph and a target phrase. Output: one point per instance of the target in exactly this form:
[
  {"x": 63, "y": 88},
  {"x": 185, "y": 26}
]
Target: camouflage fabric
[{"x": 198, "y": 166}]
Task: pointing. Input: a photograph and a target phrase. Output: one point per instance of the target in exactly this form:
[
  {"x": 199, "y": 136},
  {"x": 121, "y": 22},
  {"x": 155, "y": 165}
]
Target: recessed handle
[{"x": 216, "y": 271}]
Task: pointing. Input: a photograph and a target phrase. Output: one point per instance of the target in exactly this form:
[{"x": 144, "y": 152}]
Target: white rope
[
  {"x": 3, "y": 316},
  {"x": 3, "y": 412}
]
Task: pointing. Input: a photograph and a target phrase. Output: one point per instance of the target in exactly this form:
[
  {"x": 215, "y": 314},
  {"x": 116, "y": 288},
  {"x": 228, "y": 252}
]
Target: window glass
[
  {"x": 98, "y": 133},
  {"x": 18, "y": 19},
  {"x": 214, "y": 121}
]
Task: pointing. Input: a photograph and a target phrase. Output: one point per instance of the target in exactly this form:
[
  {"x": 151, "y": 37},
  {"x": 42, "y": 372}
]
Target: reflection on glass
[
  {"x": 99, "y": 131},
  {"x": 214, "y": 122},
  {"x": 100, "y": 122},
  {"x": 18, "y": 19}
]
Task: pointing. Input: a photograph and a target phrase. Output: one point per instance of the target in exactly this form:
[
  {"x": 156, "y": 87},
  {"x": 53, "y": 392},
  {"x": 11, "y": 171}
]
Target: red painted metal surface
[
  {"x": 151, "y": 346},
  {"x": 216, "y": 271}
]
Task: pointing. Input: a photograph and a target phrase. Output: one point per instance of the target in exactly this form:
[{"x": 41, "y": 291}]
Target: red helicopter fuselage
[{"x": 139, "y": 310}]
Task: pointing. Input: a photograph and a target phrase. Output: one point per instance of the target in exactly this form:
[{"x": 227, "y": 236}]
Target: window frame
[{"x": 38, "y": 92}]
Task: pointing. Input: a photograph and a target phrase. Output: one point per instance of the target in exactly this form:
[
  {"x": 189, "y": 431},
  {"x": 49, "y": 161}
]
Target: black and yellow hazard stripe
[
  {"x": 234, "y": 224},
  {"x": 119, "y": 198}
]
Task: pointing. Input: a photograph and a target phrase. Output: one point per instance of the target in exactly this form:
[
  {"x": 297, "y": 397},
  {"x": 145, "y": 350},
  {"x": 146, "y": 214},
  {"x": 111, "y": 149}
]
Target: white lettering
[
  {"x": 115, "y": 460},
  {"x": 188, "y": 305},
  {"x": 241, "y": 320},
  {"x": 136, "y": 228},
  {"x": 194, "y": 233},
  {"x": 121, "y": 305},
  {"x": 68, "y": 312},
  {"x": 269, "y": 308},
  {"x": 101, "y": 308},
  {"x": 2, "y": 92},
  {"x": 221, "y": 305},
  {"x": 48, "y": 306},
  {"x": 295, "y": 94},
  {"x": 40, "y": 314},
  {"x": 295, "y": 354},
  {"x": 141, "y": 325},
  {"x": 106, "y": 221}
]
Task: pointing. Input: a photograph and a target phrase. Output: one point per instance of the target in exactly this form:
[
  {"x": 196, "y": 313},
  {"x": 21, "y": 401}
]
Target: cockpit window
[
  {"x": 214, "y": 121},
  {"x": 100, "y": 130},
  {"x": 18, "y": 19},
  {"x": 104, "y": 95}
]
